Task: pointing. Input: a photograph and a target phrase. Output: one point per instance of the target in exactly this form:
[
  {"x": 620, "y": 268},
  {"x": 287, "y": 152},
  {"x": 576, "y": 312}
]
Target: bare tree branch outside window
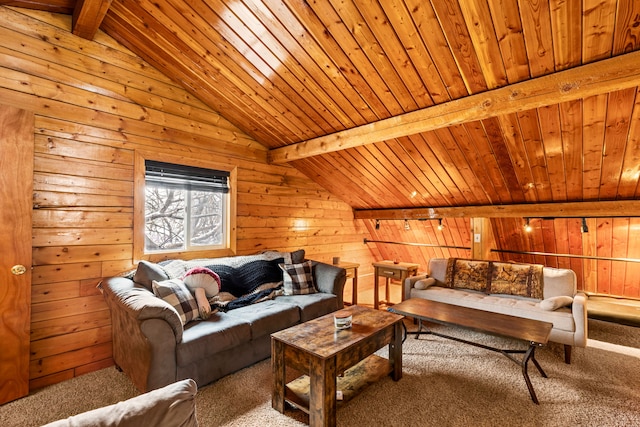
[{"x": 178, "y": 219}]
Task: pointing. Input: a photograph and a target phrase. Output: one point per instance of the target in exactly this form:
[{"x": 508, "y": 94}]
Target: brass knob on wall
[{"x": 18, "y": 269}]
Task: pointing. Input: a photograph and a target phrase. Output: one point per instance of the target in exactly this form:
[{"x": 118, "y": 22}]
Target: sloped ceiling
[{"x": 298, "y": 74}]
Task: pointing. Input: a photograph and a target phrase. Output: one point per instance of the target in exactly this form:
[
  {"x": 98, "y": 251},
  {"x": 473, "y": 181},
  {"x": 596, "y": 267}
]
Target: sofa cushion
[
  {"x": 267, "y": 317},
  {"x": 528, "y": 308},
  {"x": 438, "y": 270},
  {"x": 147, "y": 272},
  {"x": 493, "y": 277},
  {"x": 425, "y": 283},
  {"x": 220, "y": 332},
  {"x": 559, "y": 281},
  {"x": 312, "y": 305},
  {"x": 176, "y": 293},
  {"x": 555, "y": 303},
  {"x": 297, "y": 256},
  {"x": 298, "y": 278},
  {"x": 468, "y": 274},
  {"x": 516, "y": 279}
]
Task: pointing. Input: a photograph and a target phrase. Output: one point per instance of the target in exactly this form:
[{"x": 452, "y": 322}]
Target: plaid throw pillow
[
  {"x": 298, "y": 279},
  {"x": 176, "y": 293}
]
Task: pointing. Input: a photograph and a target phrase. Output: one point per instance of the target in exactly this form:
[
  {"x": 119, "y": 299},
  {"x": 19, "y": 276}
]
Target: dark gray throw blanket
[{"x": 242, "y": 282}]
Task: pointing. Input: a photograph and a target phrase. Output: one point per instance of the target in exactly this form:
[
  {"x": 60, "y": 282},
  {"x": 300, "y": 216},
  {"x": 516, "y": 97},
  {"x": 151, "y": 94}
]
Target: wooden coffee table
[
  {"x": 533, "y": 331},
  {"x": 316, "y": 347}
]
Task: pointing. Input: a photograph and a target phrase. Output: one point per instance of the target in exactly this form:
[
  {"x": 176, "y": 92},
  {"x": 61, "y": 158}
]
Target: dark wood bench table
[
  {"x": 319, "y": 349},
  {"x": 533, "y": 331}
]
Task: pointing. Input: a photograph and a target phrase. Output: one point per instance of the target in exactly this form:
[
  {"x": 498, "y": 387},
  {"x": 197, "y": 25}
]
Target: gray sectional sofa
[{"x": 154, "y": 348}]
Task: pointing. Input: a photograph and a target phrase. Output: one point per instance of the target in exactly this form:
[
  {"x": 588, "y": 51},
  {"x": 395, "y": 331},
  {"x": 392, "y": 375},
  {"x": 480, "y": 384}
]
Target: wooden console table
[
  {"x": 352, "y": 273},
  {"x": 391, "y": 270}
]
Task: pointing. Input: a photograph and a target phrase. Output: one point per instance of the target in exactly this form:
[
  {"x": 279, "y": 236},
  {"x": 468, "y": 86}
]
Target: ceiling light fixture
[
  {"x": 440, "y": 225},
  {"x": 406, "y": 225},
  {"x": 377, "y": 224},
  {"x": 527, "y": 226}
]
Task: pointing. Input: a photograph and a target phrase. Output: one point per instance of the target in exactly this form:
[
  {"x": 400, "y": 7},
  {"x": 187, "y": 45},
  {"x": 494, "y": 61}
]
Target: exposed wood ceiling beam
[
  {"x": 55, "y": 6},
  {"x": 605, "y": 209},
  {"x": 87, "y": 17},
  {"x": 604, "y": 76}
]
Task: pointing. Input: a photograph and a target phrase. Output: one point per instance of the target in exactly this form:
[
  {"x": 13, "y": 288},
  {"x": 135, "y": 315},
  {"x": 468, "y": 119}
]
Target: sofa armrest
[
  {"x": 145, "y": 332},
  {"x": 138, "y": 303},
  {"x": 172, "y": 406},
  {"x": 410, "y": 282},
  {"x": 579, "y": 311},
  {"x": 330, "y": 279}
]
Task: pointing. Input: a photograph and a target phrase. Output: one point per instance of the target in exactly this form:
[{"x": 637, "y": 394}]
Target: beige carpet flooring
[{"x": 444, "y": 383}]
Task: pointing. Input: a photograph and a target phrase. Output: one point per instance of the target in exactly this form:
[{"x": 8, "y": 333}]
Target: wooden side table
[
  {"x": 352, "y": 273},
  {"x": 391, "y": 270}
]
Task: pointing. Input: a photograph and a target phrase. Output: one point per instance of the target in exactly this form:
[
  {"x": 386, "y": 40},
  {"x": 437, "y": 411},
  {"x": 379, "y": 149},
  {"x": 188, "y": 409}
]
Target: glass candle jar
[{"x": 342, "y": 319}]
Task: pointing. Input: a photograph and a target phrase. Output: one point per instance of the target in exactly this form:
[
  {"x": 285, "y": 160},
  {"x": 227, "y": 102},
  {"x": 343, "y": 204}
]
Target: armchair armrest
[
  {"x": 172, "y": 405},
  {"x": 409, "y": 283}
]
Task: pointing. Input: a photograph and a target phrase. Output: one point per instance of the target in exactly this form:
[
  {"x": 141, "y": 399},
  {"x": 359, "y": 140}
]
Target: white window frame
[{"x": 139, "y": 253}]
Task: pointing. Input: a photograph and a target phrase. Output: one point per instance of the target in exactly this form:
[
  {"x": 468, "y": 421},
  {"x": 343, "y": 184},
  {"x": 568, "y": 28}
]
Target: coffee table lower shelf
[{"x": 354, "y": 380}]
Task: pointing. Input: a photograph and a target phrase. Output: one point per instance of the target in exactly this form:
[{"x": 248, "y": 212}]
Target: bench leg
[{"x": 567, "y": 354}]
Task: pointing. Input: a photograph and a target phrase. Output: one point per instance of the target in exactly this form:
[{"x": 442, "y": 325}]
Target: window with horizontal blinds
[{"x": 192, "y": 178}]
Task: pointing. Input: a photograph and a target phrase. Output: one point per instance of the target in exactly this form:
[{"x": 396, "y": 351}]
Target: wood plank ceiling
[{"x": 290, "y": 71}]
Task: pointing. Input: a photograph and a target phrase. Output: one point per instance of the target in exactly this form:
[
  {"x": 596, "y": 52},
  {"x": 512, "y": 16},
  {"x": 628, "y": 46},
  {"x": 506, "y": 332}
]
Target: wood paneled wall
[
  {"x": 95, "y": 104},
  {"x": 595, "y": 254},
  {"x": 606, "y": 239}
]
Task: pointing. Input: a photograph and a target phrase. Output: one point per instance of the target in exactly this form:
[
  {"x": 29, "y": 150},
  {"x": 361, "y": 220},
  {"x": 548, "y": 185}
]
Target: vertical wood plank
[
  {"x": 477, "y": 17},
  {"x": 594, "y": 111},
  {"x": 603, "y": 241},
  {"x": 508, "y": 27},
  {"x": 598, "y": 20},
  {"x": 632, "y": 277},
  {"x": 562, "y": 241},
  {"x": 571, "y": 130},
  {"x": 536, "y": 26},
  {"x": 550, "y": 127},
  {"x": 566, "y": 16},
  {"x": 619, "y": 249},
  {"x": 618, "y": 120},
  {"x": 626, "y": 37},
  {"x": 590, "y": 271}
]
